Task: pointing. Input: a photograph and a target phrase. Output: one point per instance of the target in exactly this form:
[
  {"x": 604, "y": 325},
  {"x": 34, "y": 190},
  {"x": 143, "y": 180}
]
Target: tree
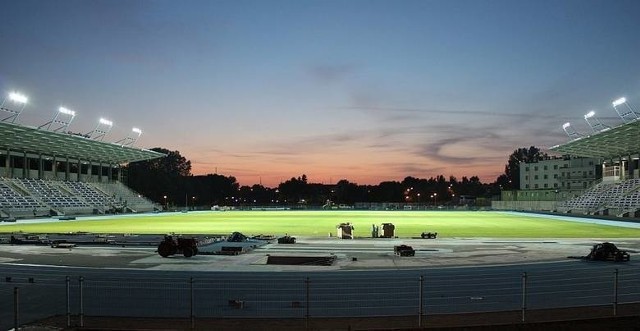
[
  {"x": 159, "y": 177},
  {"x": 512, "y": 169}
]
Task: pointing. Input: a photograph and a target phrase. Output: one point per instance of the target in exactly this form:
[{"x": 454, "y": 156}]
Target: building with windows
[{"x": 563, "y": 173}]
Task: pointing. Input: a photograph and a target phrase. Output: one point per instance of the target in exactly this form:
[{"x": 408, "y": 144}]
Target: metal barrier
[{"x": 306, "y": 296}]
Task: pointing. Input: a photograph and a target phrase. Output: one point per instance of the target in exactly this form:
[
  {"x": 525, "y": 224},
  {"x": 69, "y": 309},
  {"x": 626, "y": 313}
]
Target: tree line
[{"x": 169, "y": 181}]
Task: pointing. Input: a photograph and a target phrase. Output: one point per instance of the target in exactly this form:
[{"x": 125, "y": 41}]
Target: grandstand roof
[
  {"x": 610, "y": 144},
  {"x": 34, "y": 140}
]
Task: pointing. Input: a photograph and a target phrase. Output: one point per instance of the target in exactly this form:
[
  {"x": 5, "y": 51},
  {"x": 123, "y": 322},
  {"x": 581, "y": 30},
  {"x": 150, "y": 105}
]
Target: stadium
[{"x": 79, "y": 249}]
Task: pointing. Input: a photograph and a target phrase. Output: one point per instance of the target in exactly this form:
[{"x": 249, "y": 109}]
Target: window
[
  {"x": 536, "y": 186},
  {"x": 535, "y": 168},
  {"x": 545, "y": 168},
  {"x": 526, "y": 186},
  {"x": 555, "y": 167},
  {"x": 526, "y": 168},
  {"x": 535, "y": 177},
  {"x": 555, "y": 176},
  {"x": 546, "y": 176},
  {"x": 555, "y": 184},
  {"x": 546, "y": 185},
  {"x": 526, "y": 177}
]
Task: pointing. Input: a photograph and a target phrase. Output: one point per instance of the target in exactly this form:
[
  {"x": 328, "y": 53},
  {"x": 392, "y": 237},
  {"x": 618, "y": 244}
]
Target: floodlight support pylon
[
  {"x": 64, "y": 124},
  {"x": 628, "y": 114},
  {"x": 130, "y": 140},
  {"x": 595, "y": 124},
  {"x": 14, "y": 113},
  {"x": 571, "y": 132},
  {"x": 100, "y": 130}
]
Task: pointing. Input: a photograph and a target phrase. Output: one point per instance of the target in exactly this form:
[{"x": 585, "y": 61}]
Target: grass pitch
[{"x": 320, "y": 223}]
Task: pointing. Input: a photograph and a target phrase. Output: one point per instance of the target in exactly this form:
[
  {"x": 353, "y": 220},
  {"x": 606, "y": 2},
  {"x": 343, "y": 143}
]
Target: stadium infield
[{"x": 448, "y": 224}]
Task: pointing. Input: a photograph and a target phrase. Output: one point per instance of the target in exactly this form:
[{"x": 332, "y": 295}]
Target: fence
[{"x": 420, "y": 293}]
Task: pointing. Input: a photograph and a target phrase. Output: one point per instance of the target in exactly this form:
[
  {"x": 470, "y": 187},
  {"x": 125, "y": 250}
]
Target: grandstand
[
  {"x": 44, "y": 172},
  {"x": 618, "y": 193}
]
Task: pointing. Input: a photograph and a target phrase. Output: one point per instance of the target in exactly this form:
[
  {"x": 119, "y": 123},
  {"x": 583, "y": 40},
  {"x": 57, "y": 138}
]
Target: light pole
[
  {"x": 166, "y": 206},
  {"x": 16, "y": 98},
  {"x": 570, "y": 131},
  {"x": 594, "y": 122},
  {"x": 102, "y": 128},
  {"x": 63, "y": 117},
  {"x": 626, "y": 115}
]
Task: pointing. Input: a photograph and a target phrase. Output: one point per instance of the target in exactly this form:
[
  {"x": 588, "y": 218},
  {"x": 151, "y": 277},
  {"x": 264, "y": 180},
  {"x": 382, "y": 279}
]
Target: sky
[{"x": 367, "y": 91}]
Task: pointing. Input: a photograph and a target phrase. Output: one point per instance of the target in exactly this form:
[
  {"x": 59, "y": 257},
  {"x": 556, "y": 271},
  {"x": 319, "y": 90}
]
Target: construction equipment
[
  {"x": 607, "y": 252},
  {"x": 237, "y": 237},
  {"x": 404, "y": 250},
  {"x": 171, "y": 246},
  {"x": 287, "y": 240},
  {"x": 429, "y": 235}
]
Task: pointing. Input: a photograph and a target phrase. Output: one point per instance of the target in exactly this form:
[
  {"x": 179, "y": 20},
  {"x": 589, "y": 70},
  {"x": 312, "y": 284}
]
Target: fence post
[
  {"x": 524, "y": 296},
  {"x": 68, "y": 286},
  {"x": 193, "y": 322},
  {"x": 80, "y": 283},
  {"x": 421, "y": 303},
  {"x": 615, "y": 292},
  {"x": 15, "y": 308},
  {"x": 307, "y": 299}
]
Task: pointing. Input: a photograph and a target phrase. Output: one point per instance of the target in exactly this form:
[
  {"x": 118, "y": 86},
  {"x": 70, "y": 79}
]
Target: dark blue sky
[{"x": 362, "y": 90}]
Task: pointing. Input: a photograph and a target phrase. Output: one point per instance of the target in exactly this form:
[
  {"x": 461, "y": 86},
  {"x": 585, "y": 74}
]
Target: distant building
[{"x": 563, "y": 173}]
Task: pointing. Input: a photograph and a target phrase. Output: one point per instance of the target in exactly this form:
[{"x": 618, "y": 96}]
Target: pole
[
  {"x": 615, "y": 292},
  {"x": 80, "y": 282},
  {"x": 15, "y": 308},
  {"x": 524, "y": 295},
  {"x": 68, "y": 286},
  {"x": 306, "y": 317},
  {"x": 193, "y": 322},
  {"x": 420, "y": 308}
]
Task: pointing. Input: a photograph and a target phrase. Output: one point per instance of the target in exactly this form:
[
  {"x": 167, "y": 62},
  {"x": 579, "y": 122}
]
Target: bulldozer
[
  {"x": 171, "y": 246},
  {"x": 607, "y": 252}
]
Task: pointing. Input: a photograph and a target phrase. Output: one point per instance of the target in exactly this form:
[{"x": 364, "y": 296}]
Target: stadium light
[
  {"x": 102, "y": 128},
  {"x": 570, "y": 131},
  {"x": 63, "y": 117},
  {"x": 130, "y": 140},
  {"x": 627, "y": 114},
  {"x": 594, "y": 122},
  {"x": 619, "y": 101},
  {"x": 16, "y": 98}
]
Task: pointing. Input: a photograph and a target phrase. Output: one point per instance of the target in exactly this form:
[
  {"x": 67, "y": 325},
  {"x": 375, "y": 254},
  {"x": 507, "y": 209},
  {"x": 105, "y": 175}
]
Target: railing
[{"x": 26, "y": 297}]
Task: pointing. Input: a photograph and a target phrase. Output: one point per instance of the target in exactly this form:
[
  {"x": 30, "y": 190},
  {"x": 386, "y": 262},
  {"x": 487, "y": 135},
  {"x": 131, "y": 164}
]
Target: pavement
[{"x": 356, "y": 254}]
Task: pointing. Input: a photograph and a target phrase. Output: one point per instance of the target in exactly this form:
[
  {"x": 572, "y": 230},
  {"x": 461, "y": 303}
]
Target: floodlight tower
[
  {"x": 570, "y": 131},
  {"x": 16, "y": 99},
  {"x": 63, "y": 117},
  {"x": 131, "y": 139},
  {"x": 594, "y": 122},
  {"x": 102, "y": 128},
  {"x": 628, "y": 114}
]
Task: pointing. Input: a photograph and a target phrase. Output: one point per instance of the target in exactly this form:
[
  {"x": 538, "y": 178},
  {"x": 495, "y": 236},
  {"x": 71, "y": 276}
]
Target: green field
[{"x": 321, "y": 223}]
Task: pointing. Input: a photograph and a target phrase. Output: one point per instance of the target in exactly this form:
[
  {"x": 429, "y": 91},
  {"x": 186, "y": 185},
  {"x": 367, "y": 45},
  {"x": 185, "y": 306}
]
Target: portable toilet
[{"x": 388, "y": 230}]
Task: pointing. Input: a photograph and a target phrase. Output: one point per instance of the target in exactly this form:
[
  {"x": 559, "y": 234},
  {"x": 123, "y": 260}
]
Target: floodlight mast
[
  {"x": 15, "y": 98},
  {"x": 570, "y": 131},
  {"x": 627, "y": 113},
  {"x": 102, "y": 128},
  {"x": 131, "y": 139},
  {"x": 594, "y": 122},
  {"x": 63, "y": 118}
]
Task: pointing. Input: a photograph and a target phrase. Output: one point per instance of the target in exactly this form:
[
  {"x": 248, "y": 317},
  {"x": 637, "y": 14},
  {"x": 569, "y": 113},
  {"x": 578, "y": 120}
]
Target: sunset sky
[{"x": 367, "y": 91}]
